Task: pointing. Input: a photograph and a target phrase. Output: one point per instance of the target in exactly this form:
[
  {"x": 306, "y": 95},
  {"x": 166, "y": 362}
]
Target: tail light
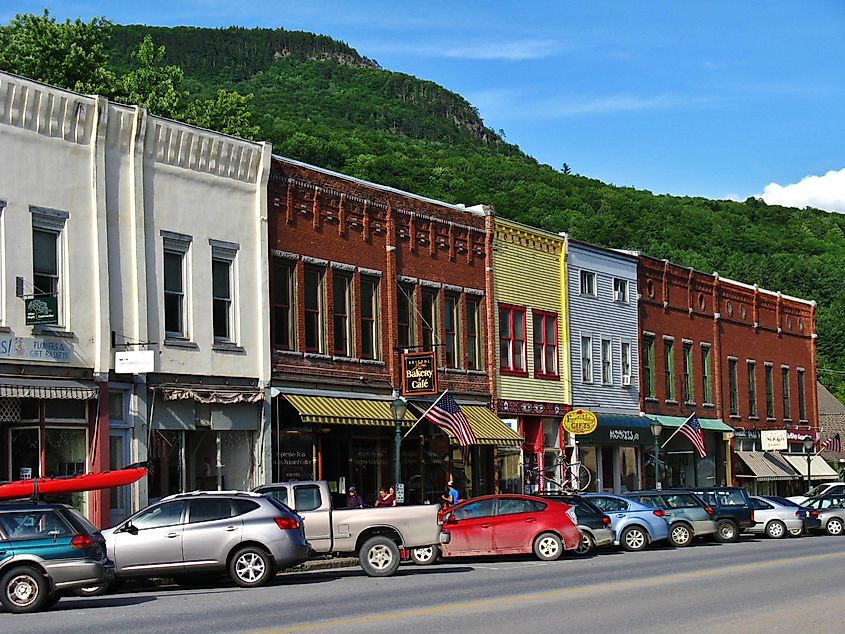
[
  {"x": 814, "y": 513},
  {"x": 81, "y": 541},
  {"x": 709, "y": 510},
  {"x": 752, "y": 516},
  {"x": 797, "y": 513},
  {"x": 605, "y": 520},
  {"x": 659, "y": 512},
  {"x": 286, "y": 523}
]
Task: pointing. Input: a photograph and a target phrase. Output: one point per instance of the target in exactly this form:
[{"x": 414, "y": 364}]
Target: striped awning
[
  {"x": 819, "y": 469},
  {"x": 765, "y": 465},
  {"x": 487, "y": 427},
  {"x": 29, "y": 387},
  {"x": 328, "y": 410},
  {"x": 707, "y": 424}
]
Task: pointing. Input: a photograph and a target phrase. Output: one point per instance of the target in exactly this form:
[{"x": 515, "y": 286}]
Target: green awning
[{"x": 707, "y": 424}]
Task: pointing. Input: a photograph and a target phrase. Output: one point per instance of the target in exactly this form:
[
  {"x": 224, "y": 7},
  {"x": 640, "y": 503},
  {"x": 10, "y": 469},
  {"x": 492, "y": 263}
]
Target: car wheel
[
  {"x": 633, "y": 538},
  {"x": 726, "y": 531},
  {"x": 586, "y": 545},
  {"x": 548, "y": 547},
  {"x": 834, "y": 526},
  {"x": 425, "y": 556},
  {"x": 23, "y": 590},
  {"x": 680, "y": 535},
  {"x": 379, "y": 556},
  {"x": 92, "y": 591},
  {"x": 251, "y": 567},
  {"x": 775, "y": 529},
  {"x": 796, "y": 532}
]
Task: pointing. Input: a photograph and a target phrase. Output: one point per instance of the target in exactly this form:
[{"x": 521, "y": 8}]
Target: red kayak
[{"x": 71, "y": 484}]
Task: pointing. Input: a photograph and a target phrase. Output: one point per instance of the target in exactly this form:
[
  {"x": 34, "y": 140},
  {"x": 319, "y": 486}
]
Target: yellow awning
[
  {"x": 488, "y": 429},
  {"x": 344, "y": 411}
]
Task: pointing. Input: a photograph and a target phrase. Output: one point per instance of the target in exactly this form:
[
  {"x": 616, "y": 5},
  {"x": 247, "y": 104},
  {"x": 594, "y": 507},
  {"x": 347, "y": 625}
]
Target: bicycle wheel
[{"x": 580, "y": 477}]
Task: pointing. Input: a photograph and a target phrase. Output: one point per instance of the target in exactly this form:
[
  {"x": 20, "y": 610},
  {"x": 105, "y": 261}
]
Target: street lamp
[
  {"x": 397, "y": 409},
  {"x": 656, "y": 429},
  {"x": 808, "y": 449}
]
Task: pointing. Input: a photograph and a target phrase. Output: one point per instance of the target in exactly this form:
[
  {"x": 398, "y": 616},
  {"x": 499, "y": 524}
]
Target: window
[
  {"x": 770, "y": 392},
  {"x": 174, "y": 294},
  {"x": 620, "y": 290},
  {"x": 734, "y": 396},
  {"x": 34, "y": 524},
  {"x": 369, "y": 318},
  {"x": 545, "y": 343},
  {"x": 472, "y": 510},
  {"x": 208, "y": 510},
  {"x": 451, "y": 324},
  {"x": 167, "y": 514},
  {"x": 512, "y": 506},
  {"x": 586, "y": 359},
  {"x": 221, "y": 283},
  {"x": 588, "y": 283},
  {"x": 669, "y": 368},
  {"x": 706, "y": 394},
  {"x": 784, "y": 380},
  {"x": 802, "y": 405},
  {"x": 314, "y": 331},
  {"x": 473, "y": 329},
  {"x": 606, "y": 362},
  {"x": 752, "y": 389},
  {"x": 341, "y": 304},
  {"x": 405, "y": 318},
  {"x": 512, "y": 339},
  {"x": 626, "y": 362},
  {"x": 45, "y": 262},
  {"x": 689, "y": 394},
  {"x": 283, "y": 323},
  {"x": 648, "y": 366},
  {"x": 306, "y": 498},
  {"x": 428, "y": 327}
]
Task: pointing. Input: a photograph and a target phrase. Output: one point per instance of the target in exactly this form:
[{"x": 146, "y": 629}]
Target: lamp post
[
  {"x": 656, "y": 429},
  {"x": 397, "y": 409},
  {"x": 809, "y": 445}
]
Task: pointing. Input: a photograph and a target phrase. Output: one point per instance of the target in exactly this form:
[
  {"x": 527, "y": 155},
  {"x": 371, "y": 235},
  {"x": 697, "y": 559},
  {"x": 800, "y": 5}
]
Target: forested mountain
[{"x": 317, "y": 100}]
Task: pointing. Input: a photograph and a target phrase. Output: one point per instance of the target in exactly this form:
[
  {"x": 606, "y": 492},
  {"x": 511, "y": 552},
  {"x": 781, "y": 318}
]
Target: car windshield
[{"x": 817, "y": 490}]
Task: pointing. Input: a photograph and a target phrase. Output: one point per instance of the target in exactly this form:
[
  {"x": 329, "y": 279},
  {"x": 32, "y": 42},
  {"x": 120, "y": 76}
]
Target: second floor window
[
  {"x": 512, "y": 339},
  {"x": 451, "y": 323},
  {"x": 282, "y": 297},
  {"x": 369, "y": 318},
  {"x": 473, "y": 330},
  {"x": 620, "y": 290},
  {"x": 732, "y": 387},
  {"x": 707, "y": 393},
  {"x": 221, "y": 283},
  {"x": 770, "y": 392},
  {"x": 405, "y": 317},
  {"x": 802, "y": 405},
  {"x": 314, "y": 302},
  {"x": 606, "y": 362},
  {"x": 752, "y": 389},
  {"x": 428, "y": 318},
  {"x": 784, "y": 381},
  {"x": 648, "y": 367},
  {"x": 689, "y": 395},
  {"x": 669, "y": 368},
  {"x": 174, "y": 294},
  {"x": 586, "y": 359},
  {"x": 45, "y": 261},
  {"x": 588, "y": 283},
  {"x": 626, "y": 363},
  {"x": 545, "y": 343},
  {"x": 341, "y": 318}
]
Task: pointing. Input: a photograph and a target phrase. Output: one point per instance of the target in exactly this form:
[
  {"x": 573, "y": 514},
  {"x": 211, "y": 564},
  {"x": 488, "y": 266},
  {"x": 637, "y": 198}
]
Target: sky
[{"x": 721, "y": 99}]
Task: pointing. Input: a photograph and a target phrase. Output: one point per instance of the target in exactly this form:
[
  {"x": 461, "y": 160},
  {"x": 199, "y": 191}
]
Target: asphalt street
[{"x": 756, "y": 585}]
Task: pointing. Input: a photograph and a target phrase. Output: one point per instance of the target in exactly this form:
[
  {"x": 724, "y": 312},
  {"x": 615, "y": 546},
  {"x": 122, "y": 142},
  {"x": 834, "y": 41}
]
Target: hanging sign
[
  {"x": 580, "y": 421},
  {"x": 774, "y": 440},
  {"x": 134, "y": 361},
  {"x": 42, "y": 310},
  {"x": 419, "y": 374}
]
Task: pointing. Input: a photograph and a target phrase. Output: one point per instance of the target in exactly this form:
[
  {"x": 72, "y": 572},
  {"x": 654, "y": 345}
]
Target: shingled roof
[{"x": 831, "y": 420}]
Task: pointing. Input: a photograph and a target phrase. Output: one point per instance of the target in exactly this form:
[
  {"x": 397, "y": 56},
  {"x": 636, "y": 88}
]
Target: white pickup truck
[{"x": 375, "y": 535}]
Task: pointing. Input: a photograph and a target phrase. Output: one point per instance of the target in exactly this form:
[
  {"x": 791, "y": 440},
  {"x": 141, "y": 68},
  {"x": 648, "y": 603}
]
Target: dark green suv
[{"x": 46, "y": 548}]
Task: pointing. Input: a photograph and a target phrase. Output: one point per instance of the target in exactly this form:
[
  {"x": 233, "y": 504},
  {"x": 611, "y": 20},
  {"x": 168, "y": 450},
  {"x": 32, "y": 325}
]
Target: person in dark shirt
[{"x": 353, "y": 500}]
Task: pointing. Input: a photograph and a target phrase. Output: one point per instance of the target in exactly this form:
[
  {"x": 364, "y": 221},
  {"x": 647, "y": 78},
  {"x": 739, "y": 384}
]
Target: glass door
[{"x": 119, "y": 457}]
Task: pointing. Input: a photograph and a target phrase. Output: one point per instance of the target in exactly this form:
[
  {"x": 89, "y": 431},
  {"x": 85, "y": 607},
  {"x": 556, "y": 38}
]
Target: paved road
[{"x": 755, "y": 585}]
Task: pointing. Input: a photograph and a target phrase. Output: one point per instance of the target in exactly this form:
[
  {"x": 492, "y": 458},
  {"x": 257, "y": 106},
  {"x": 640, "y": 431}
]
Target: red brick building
[
  {"x": 360, "y": 272},
  {"x": 741, "y": 357}
]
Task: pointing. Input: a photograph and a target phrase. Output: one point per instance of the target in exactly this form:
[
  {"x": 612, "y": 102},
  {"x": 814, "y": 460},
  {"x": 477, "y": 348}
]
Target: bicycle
[{"x": 576, "y": 476}]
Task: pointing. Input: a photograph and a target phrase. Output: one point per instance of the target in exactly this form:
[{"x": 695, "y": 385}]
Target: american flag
[
  {"x": 834, "y": 444},
  {"x": 692, "y": 430},
  {"x": 445, "y": 413}
]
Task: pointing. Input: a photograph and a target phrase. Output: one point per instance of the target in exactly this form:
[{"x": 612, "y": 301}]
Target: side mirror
[
  {"x": 451, "y": 519},
  {"x": 129, "y": 527}
]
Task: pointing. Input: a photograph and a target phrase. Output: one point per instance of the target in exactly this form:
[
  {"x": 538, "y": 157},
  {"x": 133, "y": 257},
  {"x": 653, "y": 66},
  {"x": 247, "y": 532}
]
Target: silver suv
[{"x": 194, "y": 534}]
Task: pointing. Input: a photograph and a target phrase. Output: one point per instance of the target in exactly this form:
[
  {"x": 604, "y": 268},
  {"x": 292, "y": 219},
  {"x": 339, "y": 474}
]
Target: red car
[{"x": 510, "y": 524}]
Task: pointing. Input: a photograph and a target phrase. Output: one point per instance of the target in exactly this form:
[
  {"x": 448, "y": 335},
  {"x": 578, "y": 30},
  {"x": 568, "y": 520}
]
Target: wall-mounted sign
[
  {"x": 42, "y": 310},
  {"x": 580, "y": 421},
  {"x": 419, "y": 374},
  {"x": 530, "y": 408},
  {"x": 34, "y": 349},
  {"x": 134, "y": 361},
  {"x": 774, "y": 440},
  {"x": 799, "y": 436}
]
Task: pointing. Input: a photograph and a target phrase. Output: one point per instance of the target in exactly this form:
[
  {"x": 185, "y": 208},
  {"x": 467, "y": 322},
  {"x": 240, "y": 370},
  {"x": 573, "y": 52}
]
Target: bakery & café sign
[{"x": 419, "y": 374}]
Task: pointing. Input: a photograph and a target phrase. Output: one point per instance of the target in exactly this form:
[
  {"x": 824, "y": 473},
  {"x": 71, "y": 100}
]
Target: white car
[
  {"x": 775, "y": 520},
  {"x": 829, "y": 488}
]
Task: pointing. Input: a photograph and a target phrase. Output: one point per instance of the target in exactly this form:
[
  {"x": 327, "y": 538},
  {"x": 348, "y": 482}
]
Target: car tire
[
  {"x": 23, "y": 590},
  {"x": 680, "y": 535},
  {"x": 634, "y": 538},
  {"x": 834, "y": 526},
  {"x": 379, "y": 556},
  {"x": 796, "y": 532},
  {"x": 93, "y": 591},
  {"x": 585, "y": 546},
  {"x": 548, "y": 547},
  {"x": 252, "y": 567},
  {"x": 726, "y": 531},
  {"x": 425, "y": 556},
  {"x": 775, "y": 529}
]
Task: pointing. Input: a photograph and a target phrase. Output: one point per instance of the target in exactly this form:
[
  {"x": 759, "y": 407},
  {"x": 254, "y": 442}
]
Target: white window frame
[
  {"x": 606, "y": 361},
  {"x": 179, "y": 244},
  {"x": 625, "y": 361},
  {"x": 54, "y": 221},
  {"x": 226, "y": 252},
  {"x": 587, "y": 360},
  {"x": 621, "y": 294},
  {"x": 590, "y": 278}
]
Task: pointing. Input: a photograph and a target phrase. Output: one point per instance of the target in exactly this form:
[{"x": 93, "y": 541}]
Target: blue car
[{"x": 635, "y": 525}]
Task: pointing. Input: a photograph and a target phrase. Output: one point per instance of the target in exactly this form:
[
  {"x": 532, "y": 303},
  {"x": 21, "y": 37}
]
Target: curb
[{"x": 324, "y": 564}]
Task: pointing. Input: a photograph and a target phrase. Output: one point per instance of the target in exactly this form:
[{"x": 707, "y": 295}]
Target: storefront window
[
  {"x": 628, "y": 467},
  {"x": 165, "y": 455},
  {"x": 589, "y": 458},
  {"x": 25, "y": 461},
  {"x": 65, "y": 451},
  {"x": 508, "y": 470}
]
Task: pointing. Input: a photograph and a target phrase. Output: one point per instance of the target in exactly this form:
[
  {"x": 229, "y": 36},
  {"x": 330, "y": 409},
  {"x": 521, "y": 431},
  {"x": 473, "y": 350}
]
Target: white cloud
[
  {"x": 517, "y": 50},
  {"x": 822, "y": 192}
]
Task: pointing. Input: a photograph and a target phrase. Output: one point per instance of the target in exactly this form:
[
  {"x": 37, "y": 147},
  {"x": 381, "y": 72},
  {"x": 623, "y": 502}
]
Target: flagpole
[
  {"x": 424, "y": 414},
  {"x": 677, "y": 430}
]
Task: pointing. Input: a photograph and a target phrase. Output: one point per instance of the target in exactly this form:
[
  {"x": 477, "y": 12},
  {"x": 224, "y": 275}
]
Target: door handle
[
  {"x": 486, "y": 525},
  {"x": 530, "y": 520},
  {"x": 172, "y": 535},
  {"x": 231, "y": 528},
  {"x": 2, "y": 552}
]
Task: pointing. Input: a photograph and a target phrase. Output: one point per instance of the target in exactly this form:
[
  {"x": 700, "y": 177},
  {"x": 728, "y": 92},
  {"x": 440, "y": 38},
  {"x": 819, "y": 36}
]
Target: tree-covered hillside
[{"x": 319, "y": 101}]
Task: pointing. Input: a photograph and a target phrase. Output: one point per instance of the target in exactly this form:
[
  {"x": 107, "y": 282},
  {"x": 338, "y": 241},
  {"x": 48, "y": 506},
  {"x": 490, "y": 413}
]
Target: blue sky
[{"x": 716, "y": 99}]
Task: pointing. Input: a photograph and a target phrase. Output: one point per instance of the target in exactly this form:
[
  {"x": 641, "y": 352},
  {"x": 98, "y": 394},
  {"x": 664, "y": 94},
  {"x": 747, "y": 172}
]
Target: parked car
[
  {"x": 835, "y": 489},
  {"x": 374, "y": 535},
  {"x": 774, "y": 520},
  {"x": 207, "y": 532},
  {"x": 635, "y": 525},
  {"x": 832, "y": 519},
  {"x": 809, "y": 517},
  {"x": 731, "y": 510},
  {"x": 593, "y": 523},
  {"x": 689, "y": 517},
  {"x": 822, "y": 503},
  {"x": 45, "y": 549},
  {"x": 510, "y": 524}
]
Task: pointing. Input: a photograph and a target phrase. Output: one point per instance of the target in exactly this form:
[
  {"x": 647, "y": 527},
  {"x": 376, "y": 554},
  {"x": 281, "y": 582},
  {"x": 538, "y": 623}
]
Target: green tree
[
  {"x": 153, "y": 84},
  {"x": 229, "y": 113}
]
